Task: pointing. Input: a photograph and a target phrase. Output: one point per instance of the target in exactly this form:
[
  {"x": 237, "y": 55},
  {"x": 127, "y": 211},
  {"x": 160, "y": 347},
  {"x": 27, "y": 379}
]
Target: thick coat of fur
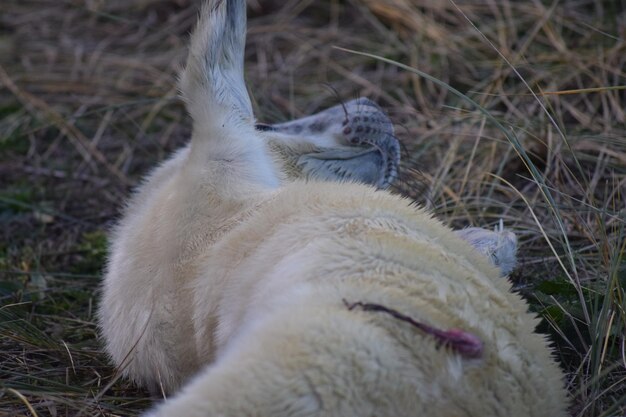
[{"x": 221, "y": 270}]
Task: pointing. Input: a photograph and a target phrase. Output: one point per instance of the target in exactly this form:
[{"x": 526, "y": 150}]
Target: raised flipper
[
  {"x": 226, "y": 148},
  {"x": 212, "y": 82}
]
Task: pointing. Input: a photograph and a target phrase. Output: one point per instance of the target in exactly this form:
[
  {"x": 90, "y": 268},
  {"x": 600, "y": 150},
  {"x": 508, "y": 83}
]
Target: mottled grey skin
[{"x": 348, "y": 142}]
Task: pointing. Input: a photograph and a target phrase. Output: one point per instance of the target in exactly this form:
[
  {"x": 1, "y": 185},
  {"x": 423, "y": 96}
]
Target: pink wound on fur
[{"x": 465, "y": 343}]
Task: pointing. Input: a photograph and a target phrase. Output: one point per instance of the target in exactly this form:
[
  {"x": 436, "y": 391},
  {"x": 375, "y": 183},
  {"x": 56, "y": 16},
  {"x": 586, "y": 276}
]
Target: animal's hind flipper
[
  {"x": 226, "y": 151},
  {"x": 212, "y": 82}
]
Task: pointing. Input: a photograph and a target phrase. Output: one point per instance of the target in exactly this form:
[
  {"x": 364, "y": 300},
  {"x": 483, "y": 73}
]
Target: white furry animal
[{"x": 307, "y": 298}]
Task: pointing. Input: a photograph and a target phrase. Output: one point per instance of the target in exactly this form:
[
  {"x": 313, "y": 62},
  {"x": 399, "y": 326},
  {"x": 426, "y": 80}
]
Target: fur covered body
[
  {"x": 222, "y": 270},
  {"x": 266, "y": 300}
]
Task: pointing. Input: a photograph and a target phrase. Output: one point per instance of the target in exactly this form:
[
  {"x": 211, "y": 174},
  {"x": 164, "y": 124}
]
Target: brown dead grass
[{"x": 88, "y": 103}]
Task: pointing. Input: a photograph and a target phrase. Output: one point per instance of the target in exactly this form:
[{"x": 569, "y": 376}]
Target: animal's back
[{"x": 312, "y": 250}]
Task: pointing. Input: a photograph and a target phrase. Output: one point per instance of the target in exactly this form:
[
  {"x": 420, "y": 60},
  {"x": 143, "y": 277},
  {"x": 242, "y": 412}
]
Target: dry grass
[{"x": 88, "y": 103}]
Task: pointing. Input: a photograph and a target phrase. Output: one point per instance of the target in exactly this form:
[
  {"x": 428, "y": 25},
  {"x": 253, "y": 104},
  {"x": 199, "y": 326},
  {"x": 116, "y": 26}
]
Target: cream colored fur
[{"x": 223, "y": 270}]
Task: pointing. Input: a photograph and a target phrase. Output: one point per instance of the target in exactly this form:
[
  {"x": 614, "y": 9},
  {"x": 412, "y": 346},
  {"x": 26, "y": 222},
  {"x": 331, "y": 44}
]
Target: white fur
[{"x": 220, "y": 271}]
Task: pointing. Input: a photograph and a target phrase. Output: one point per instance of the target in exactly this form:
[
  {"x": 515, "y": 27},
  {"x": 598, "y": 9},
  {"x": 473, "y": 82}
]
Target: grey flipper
[{"x": 500, "y": 245}]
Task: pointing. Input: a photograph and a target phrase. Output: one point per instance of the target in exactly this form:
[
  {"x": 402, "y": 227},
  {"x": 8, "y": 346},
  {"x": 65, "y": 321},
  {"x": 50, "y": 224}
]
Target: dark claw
[{"x": 262, "y": 127}]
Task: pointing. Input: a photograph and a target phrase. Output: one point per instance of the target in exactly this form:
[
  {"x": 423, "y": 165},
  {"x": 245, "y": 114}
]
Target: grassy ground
[{"x": 88, "y": 103}]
